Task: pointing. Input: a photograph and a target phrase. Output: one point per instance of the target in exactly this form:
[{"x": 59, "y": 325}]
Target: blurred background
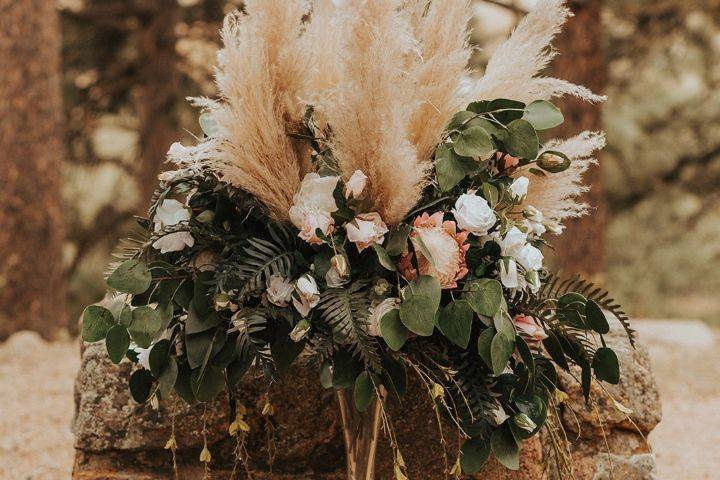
[{"x": 92, "y": 93}]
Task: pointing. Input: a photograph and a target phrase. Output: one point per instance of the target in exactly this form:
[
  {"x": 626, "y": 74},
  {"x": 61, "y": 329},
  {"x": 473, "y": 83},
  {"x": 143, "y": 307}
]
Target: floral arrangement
[{"x": 357, "y": 199}]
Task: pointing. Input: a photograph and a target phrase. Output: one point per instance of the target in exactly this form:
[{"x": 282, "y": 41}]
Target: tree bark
[
  {"x": 581, "y": 249},
  {"x": 32, "y": 287}
]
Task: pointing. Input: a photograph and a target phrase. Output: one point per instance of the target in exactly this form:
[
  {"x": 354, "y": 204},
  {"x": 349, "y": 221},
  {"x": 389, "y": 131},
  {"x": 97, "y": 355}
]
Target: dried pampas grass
[{"x": 383, "y": 77}]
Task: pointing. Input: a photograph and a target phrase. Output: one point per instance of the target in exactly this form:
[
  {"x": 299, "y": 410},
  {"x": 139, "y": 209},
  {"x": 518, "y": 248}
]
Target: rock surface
[{"x": 116, "y": 439}]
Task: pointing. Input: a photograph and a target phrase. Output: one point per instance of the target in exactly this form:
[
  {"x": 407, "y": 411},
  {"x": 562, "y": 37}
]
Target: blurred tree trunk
[
  {"x": 32, "y": 287},
  {"x": 581, "y": 249}
]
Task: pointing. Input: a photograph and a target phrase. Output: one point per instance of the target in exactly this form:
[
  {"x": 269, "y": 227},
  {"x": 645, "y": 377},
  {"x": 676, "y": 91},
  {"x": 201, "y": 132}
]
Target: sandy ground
[{"x": 36, "y": 403}]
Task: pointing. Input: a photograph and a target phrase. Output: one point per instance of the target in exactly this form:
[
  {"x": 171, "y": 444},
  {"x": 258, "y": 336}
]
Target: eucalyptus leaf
[
  {"x": 543, "y": 115},
  {"x": 146, "y": 322},
  {"x": 596, "y": 318},
  {"x": 208, "y": 383},
  {"x": 474, "y": 454},
  {"x": 394, "y": 375},
  {"x": 606, "y": 365},
  {"x": 505, "y": 448},
  {"x": 364, "y": 392},
  {"x": 131, "y": 276},
  {"x": 392, "y": 330},
  {"x": 474, "y": 142},
  {"x": 384, "y": 257},
  {"x": 168, "y": 377},
  {"x": 455, "y": 322},
  {"x": 345, "y": 369},
  {"x": 548, "y": 161},
  {"x": 501, "y": 350},
  {"x": 141, "y": 385},
  {"x": 417, "y": 313},
  {"x": 484, "y": 296},
  {"x": 485, "y": 345},
  {"x": 522, "y": 140},
  {"x": 158, "y": 357},
  {"x": 452, "y": 168},
  {"x": 97, "y": 321},
  {"x": 397, "y": 243},
  {"x": 117, "y": 342}
]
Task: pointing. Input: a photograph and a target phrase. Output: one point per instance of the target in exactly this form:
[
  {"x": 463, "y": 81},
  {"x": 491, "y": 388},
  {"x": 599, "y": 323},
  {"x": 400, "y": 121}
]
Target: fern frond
[
  {"x": 263, "y": 258},
  {"x": 472, "y": 389},
  {"x": 251, "y": 341},
  {"x": 346, "y": 312}
]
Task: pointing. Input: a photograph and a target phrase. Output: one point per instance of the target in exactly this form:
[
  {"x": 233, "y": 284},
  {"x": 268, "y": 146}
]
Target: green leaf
[
  {"x": 346, "y": 368},
  {"x": 485, "y": 345},
  {"x": 208, "y": 383},
  {"x": 501, "y": 349},
  {"x": 554, "y": 348},
  {"x": 459, "y": 119},
  {"x": 392, "y": 330},
  {"x": 504, "y": 325},
  {"x": 417, "y": 313},
  {"x": 484, "y": 296},
  {"x": 426, "y": 286},
  {"x": 97, "y": 321},
  {"x": 384, "y": 258},
  {"x": 364, "y": 392},
  {"x": 543, "y": 115},
  {"x": 183, "y": 385},
  {"x": 196, "y": 323},
  {"x": 505, "y": 448},
  {"x": 474, "y": 454},
  {"x": 490, "y": 193},
  {"x": 168, "y": 377},
  {"x": 536, "y": 409},
  {"x": 522, "y": 140},
  {"x": 596, "y": 318},
  {"x": 606, "y": 366},
  {"x": 146, "y": 322},
  {"x": 474, "y": 142},
  {"x": 548, "y": 161},
  {"x": 199, "y": 347},
  {"x": 141, "y": 383},
  {"x": 125, "y": 317},
  {"x": 509, "y": 109},
  {"x": 397, "y": 243},
  {"x": 131, "y": 276},
  {"x": 117, "y": 343},
  {"x": 158, "y": 357},
  {"x": 451, "y": 168},
  {"x": 571, "y": 299},
  {"x": 455, "y": 322}
]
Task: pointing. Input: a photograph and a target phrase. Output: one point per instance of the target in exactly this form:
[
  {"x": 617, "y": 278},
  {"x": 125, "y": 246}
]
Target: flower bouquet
[{"x": 356, "y": 198}]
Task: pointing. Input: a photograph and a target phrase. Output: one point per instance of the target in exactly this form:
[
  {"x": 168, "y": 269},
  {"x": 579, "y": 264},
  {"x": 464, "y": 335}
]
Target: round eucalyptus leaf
[
  {"x": 553, "y": 161},
  {"x": 484, "y": 296},
  {"x": 141, "y": 385},
  {"x": 168, "y": 377},
  {"x": 392, "y": 330},
  {"x": 543, "y": 115},
  {"x": 117, "y": 343},
  {"x": 97, "y": 321},
  {"x": 505, "y": 448},
  {"x": 596, "y": 318},
  {"x": 384, "y": 257},
  {"x": 131, "y": 276},
  {"x": 158, "y": 357},
  {"x": 522, "y": 140},
  {"x": 207, "y": 383},
  {"x": 417, "y": 313},
  {"x": 364, "y": 392},
  {"x": 146, "y": 322},
  {"x": 474, "y": 454},
  {"x": 606, "y": 365},
  {"x": 485, "y": 345},
  {"x": 501, "y": 349},
  {"x": 474, "y": 142},
  {"x": 455, "y": 322}
]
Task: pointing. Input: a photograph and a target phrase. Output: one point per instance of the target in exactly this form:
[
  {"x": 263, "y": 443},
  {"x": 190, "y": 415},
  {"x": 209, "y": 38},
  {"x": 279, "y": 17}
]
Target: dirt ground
[{"x": 36, "y": 403}]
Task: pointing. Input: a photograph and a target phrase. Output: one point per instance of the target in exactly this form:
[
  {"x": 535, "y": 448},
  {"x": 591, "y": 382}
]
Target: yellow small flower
[{"x": 205, "y": 456}]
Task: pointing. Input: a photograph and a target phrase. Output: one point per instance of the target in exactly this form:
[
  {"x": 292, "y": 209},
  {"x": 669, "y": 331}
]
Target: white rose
[
  {"x": 366, "y": 229},
  {"x": 378, "y": 312},
  {"x": 313, "y": 205},
  {"x": 308, "y": 294},
  {"x": 170, "y": 212},
  {"x": 530, "y": 257},
  {"x": 513, "y": 241},
  {"x": 356, "y": 184},
  {"x": 174, "y": 242},
  {"x": 473, "y": 213},
  {"x": 519, "y": 187},
  {"x": 279, "y": 290},
  {"x": 498, "y": 415},
  {"x": 508, "y": 273},
  {"x": 338, "y": 274},
  {"x": 534, "y": 220}
]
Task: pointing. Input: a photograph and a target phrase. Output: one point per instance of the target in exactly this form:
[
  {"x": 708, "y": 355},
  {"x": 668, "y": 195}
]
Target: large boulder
[{"x": 117, "y": 439}]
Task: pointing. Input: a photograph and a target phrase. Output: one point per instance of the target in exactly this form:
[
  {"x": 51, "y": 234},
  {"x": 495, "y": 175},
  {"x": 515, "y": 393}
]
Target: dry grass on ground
[{"x": 36, "y": 403}]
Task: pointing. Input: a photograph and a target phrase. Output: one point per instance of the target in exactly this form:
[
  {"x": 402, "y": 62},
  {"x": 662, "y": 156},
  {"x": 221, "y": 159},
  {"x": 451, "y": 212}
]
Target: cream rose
[
  {"x": 366, "y": 229},
  {"x": 519, "y": 187},
  {"x": 530, "y": 328},
  {"x": 170, "y": 213},
  {"x": 378, "y": 312},
  {"x": 473, "y": 214},
  {"x": 308, "y": 295},
  {"x": 313, "y": 205},
  {"x": 279, "y": 290},
  {"x": 356, "y": 184}
]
